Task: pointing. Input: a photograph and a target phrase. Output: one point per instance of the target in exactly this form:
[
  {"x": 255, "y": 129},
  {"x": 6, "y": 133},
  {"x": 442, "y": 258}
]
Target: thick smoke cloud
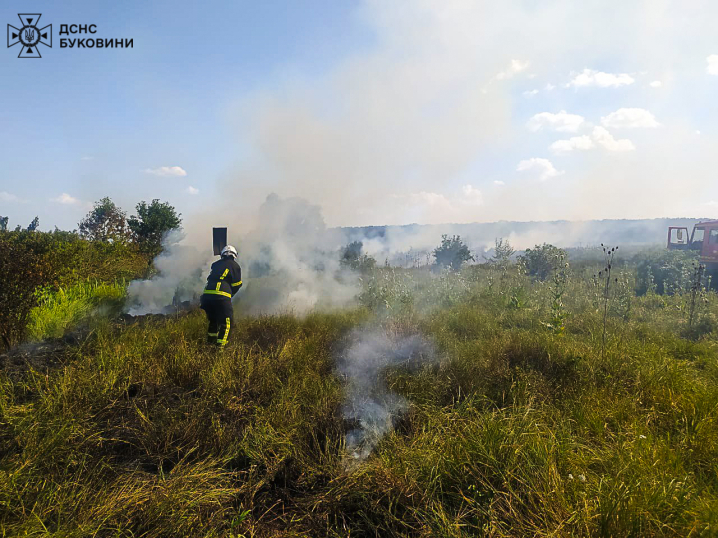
[
  {"x": 290, "y": 263},
  {"x": 180, "y": 278}
]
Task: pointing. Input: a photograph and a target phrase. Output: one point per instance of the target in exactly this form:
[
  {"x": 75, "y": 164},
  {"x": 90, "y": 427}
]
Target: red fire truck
[{"x": 703, "y": 238}]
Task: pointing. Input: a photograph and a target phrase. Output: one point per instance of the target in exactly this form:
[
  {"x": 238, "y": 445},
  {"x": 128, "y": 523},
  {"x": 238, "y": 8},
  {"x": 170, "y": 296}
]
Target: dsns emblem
[{"x": 29, "y": 36}]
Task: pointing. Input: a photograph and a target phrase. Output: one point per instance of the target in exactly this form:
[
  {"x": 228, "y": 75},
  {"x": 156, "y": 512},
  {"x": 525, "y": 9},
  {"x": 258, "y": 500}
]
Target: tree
[
  {"x": 452, "y": 252},
  {"x": 152, "y": 222},
  {"x": 542, "y": 260},
  {"x": 3, "y": 224},
  {"x": 502, "y": 251},
  {"x": 105, "y": 222},
  {"x": 34, "y": 224},
  {"x": 352, "y": 252},
  {"x": 352, "y": 256}
]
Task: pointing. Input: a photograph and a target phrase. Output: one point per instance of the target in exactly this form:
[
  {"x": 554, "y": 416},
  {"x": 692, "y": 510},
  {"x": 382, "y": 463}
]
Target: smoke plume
[
  {"x": 290, "y": 263},
  {"x": 370, "y": 406},
  {"x": 180, "y": 278}
]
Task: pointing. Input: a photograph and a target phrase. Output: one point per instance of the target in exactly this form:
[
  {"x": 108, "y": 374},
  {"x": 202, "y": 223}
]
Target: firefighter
[{"x": 224, "y": 280}]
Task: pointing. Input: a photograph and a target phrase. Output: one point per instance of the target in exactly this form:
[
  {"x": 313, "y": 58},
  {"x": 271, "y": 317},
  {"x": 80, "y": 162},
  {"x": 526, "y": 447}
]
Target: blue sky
[{"x": 380, "y": 112}]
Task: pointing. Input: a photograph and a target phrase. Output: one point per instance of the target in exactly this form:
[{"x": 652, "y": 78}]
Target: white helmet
[{"x": 230, "y": 251}]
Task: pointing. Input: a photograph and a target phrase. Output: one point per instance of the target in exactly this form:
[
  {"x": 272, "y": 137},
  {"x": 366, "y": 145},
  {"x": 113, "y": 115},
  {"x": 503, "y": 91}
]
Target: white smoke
[
  {"x": 180, "y": 278},
  {"x": 290, "y": 259},
  {"x": 290, "y": 263},
  {"x": 390, "y": 133},
  {"x": 369, "y": 405}
]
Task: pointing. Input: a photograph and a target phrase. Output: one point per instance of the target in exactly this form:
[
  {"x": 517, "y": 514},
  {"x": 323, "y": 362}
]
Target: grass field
[
  {"x": 523, "y": 423},
  {"x": 65, "y": 307}
]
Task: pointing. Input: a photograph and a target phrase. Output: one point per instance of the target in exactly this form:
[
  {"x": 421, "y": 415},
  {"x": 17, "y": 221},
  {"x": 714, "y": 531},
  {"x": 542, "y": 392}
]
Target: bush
[
  {"x": 37, "y": 263},
  {"x": 664, "y": 271},
  {"x": 502, "y": 252},
  {"x": 542, "y": 260},
  {"x": 452, "y": 252},
  {"x": 23, "y": 268},
  {"x": 352, "y": 257}
]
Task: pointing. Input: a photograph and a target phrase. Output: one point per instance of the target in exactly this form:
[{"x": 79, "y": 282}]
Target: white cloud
[
  {"x": 66, "y": 199},
  {"x": 656, "y": 84},
  {"x": 86, "y": 158},
  {"x": 573, "y": 143},
  {"x": 599, "y": 79},
  {"x": 600, "y": 136},
  {"x": 530, "y": 93},
  {"x": 7, "y": 197},
  {"x": 630, "y": 118},
  {"x": 549, "y": 87},
  {"x": 437, "y": 208},
  {"x": 516, "y": 66},
  {"x": 499, "y": 182},
  {"x": 472, "y": 196},
  {"x": 562, "y": 122},
  {"x": 712, "y": 67},
  {"x": 604, "y": 139},
  {"x": 545, "y": 166},
  {"x": 191, "y": 190},
  {"x": 166, "y": 171}
]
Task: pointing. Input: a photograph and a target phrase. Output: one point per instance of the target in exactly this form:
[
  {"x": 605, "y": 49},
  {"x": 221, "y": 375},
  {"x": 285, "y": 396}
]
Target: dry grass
[{"x": 517, "y": 431}]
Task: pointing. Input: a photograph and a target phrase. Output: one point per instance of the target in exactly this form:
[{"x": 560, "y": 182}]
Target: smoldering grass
[{"x": 369, "y": 404}]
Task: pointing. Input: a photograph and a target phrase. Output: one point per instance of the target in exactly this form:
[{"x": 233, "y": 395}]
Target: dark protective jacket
[{"x": 224, "y": 280}]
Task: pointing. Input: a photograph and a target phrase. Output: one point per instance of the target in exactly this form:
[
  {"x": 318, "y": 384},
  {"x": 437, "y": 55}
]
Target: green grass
[
  {"x": 517, "y": 430},
  {"x": 65, "y": 307}
]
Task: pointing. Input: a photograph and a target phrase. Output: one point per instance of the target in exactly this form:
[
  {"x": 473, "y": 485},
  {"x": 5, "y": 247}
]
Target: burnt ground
[
  {"x": 53, "y": 353},
  {"x": 39, "y": 356}
]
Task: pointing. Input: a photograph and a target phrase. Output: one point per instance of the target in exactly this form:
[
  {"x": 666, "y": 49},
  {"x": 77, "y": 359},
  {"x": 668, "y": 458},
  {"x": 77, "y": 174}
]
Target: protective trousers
[{"x": 219, "y": 314}]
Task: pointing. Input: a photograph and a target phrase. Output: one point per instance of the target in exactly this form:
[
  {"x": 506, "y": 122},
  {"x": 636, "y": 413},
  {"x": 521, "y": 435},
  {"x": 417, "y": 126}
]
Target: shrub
[
  {"x": 542, "y": 260},
  {"x": 502, "y": 252},
  {"x": 352, "y": 257},
  {"x": 23, "y": 268},
  {"x": 666, "y": 271},
  {"x": 33, "y": 263}
]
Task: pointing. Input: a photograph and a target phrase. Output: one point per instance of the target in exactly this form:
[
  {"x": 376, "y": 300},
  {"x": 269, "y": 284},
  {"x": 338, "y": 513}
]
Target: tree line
[{"x": 108, "y": 223}]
